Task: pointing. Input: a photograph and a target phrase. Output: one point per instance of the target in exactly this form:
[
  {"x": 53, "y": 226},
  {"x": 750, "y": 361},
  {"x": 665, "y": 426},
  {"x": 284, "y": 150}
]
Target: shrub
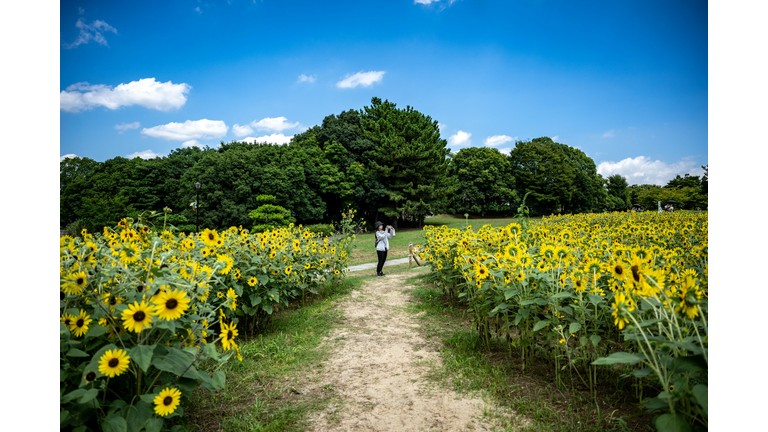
[{"x": 324, "y": 230}]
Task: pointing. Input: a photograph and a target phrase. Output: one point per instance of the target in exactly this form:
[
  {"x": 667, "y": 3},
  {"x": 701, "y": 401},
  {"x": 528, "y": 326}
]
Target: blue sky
[{"x": 626, "y": 82}]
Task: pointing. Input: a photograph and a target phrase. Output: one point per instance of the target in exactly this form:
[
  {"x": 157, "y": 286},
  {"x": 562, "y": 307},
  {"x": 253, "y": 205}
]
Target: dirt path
[{"x": 376, "y": 366}]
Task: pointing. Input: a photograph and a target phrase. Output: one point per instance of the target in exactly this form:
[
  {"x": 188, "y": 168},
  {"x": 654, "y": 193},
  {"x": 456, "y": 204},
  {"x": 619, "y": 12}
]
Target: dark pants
[{"x": 382, "y": 257}]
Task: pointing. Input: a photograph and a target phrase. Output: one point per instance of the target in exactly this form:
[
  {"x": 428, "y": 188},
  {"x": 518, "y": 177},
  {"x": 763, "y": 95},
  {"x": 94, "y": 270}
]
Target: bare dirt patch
[{"x": 376, "y": 368}]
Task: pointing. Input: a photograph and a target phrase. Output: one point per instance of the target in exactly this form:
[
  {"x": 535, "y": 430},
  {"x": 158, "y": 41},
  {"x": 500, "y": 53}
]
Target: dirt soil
[{"x": 376, "y": 366}]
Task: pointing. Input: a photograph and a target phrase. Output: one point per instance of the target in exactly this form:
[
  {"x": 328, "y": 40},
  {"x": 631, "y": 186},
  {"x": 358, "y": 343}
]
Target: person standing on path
[{"x": 382, "y": 244}]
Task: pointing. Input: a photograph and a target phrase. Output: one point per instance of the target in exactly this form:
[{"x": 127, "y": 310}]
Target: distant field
[{"x": 363, "y": 250}]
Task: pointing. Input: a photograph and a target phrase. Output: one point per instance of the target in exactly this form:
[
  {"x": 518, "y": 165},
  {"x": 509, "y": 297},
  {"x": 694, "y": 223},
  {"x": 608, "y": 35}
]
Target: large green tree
[
  {"x": 410, "y": 160},
  {"x": 484, "y": 182},
  {"x": 618, "y": 188},
  {"x": 544, "y": 171}
]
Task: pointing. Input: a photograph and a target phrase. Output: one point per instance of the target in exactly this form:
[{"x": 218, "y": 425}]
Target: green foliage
[
  {"x": 541, "y": 167},
  {"x": 484, "y": 182},
  {"x": 409, "y": 160},
  {"x": 618, "y": 193},
  {"x": 323, "y": 230},
  {"x": 269, "y": 216}
]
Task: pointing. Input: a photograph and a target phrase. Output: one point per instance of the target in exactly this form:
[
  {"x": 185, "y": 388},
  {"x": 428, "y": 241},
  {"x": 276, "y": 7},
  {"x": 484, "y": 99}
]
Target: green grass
[
  {"x": 363, "y": 249},
  {"x": 288, "y": 355},
  {"x": 467, "y": 366}
]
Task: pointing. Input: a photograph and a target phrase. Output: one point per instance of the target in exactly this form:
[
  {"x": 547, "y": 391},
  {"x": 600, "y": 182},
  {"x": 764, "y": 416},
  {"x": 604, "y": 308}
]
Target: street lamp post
[{"x": 197, "y": 208}]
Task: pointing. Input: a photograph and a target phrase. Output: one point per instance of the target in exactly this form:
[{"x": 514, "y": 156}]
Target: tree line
[{"x": 389, "y": 163}]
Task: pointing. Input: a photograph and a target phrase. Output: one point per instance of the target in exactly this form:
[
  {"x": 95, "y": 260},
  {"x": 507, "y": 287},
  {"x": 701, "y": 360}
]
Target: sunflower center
[
  {"x": 80, "y": 281},
  {"x": 140, "y": 288},
  {"x": 139, "y": 316},
  {"x": 229, "y": 335},
  {"x": 210, "y": 237},
  {"x": 67, "y": 321},
  {"x": 619, "y": 270},
  {"x": 113, "y": 362},
  {"x": 167, "y": 401},
  {"x": 90, "y": 376},
  {"x": 62, "y": 295},
  {"x": 635, "y": 273},
  {"x": 113, "y": 301},
  {"x": 171, "y": 304},
  {"x": 80, "y": 322}
]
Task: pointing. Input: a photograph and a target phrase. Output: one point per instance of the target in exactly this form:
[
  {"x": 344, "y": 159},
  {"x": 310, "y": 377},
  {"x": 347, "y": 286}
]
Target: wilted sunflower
[
  {"x": 171, "y": 304},
  {"x": 228, "y": 334},
  {"x": 79, "y": 324},
  {"x": 114, "y": 362},
  {"x": 138, "y": 316}
]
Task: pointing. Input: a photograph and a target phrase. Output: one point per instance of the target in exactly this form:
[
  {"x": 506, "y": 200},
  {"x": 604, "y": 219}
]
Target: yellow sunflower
[
  {"x": 228, "y": 334},
  {"x": 114, "y": 362},
  {"x": 253, "y": 281},
  {"x": 138, "y": 316},
  {"x": 167, "y": 401},
  {"x": 79, "y": 324},
  {"x": 75, "y": 283},
  {"x": 209, "y": 237},
  {"x": 171, "y": 304},
  {"x": 130, "y": 253}
]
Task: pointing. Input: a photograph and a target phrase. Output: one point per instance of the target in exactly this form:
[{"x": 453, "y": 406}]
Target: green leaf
[
  {"x": 267, "y": 308},
  {"x": 142, "y": 355},
  {"x": 641, "y": 373},
  {"x": 63, "y": 418},
  {"x": 509, "y": 293},
  {"x": 154, "y": 424},
  {"x": 149, "y": 398},
  {"x": 220, "y": 379},
  {"x": 574, "y": 327},
  {"x": 595, "y": 339},
  {"x": 688, "y": 346},
  {"x": 619, "y": 357},
  {"x": 688, "y": 364},
  {"x": 540, "y": 325},
  {"x": 72, "y": 395},
  {"x": 210, "y": 350},
  {"x": 672, "y": 423},
  {"x": 95, "y": 331},
  {"x": 527, "y": 302},
  {"x": 649, "y": 322},
  {"x": 114, "y": 423},
  {"x": 180, "y": 361},
  {"x": 88, "y": 396},
  {"x": 700, "y": 392},
  {"x": 595, "y": 299},
  {"x": 74, "y": 352},
  {"x": 561, "y": 295},
  {"x": 138, "y": 415}
]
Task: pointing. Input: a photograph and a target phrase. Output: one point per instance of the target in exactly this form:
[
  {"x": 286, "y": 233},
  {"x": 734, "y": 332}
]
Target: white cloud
[
  {"x": 505, "y": 150},
  {"x": 609, "y": 134},
  {"x": 276, "y": 124},
  {"x": 145, "y": 92},
  {"x": 427, "y": 2},
  {"x": 555, "y": 138},
  {"x": 146, "y": 154},
  {"x": 642, "y": 170},
  {"x": 80, "y": 10},
  {"x": 441, "y": 126},
  {"x": 192, "y": 143},
  {"x": 125, "y": 126},
  {"x": 68, "y": 156},
  {"x": 190, "y": 129},
  {"x": 365, "y": 79},
  {"x": 459, "y": 139},
  {"x": 197, "y": 9},
  {"x": 241, "y": 130},
  {"x": 91, "y": 32},
  {"x": 310, "y": 78},
  {"x": 271, "y": 139},
  {"x": 495, "y": 140}
]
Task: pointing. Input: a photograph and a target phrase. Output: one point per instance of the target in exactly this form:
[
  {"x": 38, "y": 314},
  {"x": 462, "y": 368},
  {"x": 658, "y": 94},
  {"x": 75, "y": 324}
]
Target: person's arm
[{"x": 391, "y": 232}]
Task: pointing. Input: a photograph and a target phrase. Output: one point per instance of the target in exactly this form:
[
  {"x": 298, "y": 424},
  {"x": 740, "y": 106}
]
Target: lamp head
[{"x": 197, "y": 185}]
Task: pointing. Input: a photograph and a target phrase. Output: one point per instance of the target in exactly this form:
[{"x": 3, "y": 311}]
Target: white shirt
[{"x": 383, "y": 237}]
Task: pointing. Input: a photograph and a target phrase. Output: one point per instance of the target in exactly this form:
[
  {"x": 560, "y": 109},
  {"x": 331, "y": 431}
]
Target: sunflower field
[
  {"x": 627, "y": 290},
  {"x": 148, "y": 316}
]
